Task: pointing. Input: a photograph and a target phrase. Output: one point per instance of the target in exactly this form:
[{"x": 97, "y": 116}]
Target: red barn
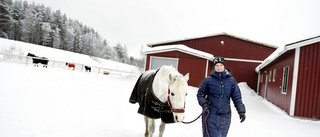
[
  {"x": 290, "y": 78},
  {"x": 194, "y": 56}
]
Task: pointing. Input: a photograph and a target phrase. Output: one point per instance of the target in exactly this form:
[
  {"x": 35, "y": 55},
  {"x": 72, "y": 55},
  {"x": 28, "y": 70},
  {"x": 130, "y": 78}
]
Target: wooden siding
[
  {"x": 308, "y": 87},
  {"x": 195, "y": 66},
  {"x": 274, "y": 90},
  {"x": 232, "y": 48},
  {"x": 242, "y": 72}
]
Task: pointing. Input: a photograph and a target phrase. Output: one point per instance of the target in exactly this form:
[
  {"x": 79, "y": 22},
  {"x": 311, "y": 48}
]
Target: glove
[
  {"x": 205, "y": 105},
  {"x": 242, "y": 117}
]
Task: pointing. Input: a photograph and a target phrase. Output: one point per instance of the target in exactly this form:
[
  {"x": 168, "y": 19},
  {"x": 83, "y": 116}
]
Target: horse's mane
[
  {"x": 181, "y": 81},
  {"x": 166, "y": 70},
  {"x": 161, "y": 81}
]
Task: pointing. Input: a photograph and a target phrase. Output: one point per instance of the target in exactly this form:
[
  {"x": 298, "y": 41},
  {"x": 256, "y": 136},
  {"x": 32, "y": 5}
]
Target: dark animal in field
[
  {"x": 87, "y": 68},
  {"x": 71, "y": 66},
  {"x": 36, "y": 60}
]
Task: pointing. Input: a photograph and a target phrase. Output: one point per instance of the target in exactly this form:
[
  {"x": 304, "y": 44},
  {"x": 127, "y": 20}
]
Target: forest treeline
[{"x": 38, "y": 24}]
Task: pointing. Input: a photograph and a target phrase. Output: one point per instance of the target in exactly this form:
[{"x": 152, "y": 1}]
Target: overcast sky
[{"x": 136, "y": 23}]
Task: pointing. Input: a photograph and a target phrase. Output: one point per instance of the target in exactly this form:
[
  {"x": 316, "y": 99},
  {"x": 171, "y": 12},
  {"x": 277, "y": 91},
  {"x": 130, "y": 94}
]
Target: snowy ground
[{"x": 44, "y": 102}]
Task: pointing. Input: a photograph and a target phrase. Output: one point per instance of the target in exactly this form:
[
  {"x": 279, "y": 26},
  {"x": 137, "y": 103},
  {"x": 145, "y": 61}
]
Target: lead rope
[{"x": 205, "y": 113}]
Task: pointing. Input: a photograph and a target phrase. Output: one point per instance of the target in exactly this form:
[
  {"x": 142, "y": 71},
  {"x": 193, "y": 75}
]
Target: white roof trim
[
  {"x": 277, "y": 53},
  {"x": 303, "y": 43},
  {"x": 281, "y": 50},
  {"x": 178, "y": 47}
]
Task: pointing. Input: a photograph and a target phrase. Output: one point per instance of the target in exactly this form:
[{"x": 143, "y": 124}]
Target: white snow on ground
[{"x": 44, "y": 102}]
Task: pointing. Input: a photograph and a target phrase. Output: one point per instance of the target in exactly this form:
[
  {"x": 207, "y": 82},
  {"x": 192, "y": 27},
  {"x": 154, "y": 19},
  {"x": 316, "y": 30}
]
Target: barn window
[
  {"x": 285, "y": 79},
  {"x": 270, "y": 74},
  {"x": 274, "y": 75},
  {"x": 157, "y": 62}
]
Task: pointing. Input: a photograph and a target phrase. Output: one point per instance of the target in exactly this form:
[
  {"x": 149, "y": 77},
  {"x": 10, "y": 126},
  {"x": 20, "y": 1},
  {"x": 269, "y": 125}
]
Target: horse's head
[
  {"x": 177, "y": 93},
  {"x": 31, "y": 55}
]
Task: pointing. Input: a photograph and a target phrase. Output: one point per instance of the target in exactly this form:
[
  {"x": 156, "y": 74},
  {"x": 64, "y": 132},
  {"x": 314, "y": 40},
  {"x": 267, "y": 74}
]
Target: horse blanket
[{"x": 149, "y": 104}]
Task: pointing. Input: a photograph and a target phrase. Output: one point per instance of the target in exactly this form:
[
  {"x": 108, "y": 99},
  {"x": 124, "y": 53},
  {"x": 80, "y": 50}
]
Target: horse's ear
[
  {"x": 186, "y": 77},
  {"x": 172, "y": 78}
]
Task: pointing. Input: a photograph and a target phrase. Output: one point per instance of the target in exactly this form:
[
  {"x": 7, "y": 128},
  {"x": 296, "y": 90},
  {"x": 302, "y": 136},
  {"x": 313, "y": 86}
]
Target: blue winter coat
[{"x": 217, "y": 89}]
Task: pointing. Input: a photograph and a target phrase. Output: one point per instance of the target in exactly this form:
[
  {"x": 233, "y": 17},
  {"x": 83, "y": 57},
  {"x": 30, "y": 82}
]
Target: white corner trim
[
  {"x": 294, "y": 81},
  {"x": 207, "y": 65},
  {"x": 258, "y": 85}
]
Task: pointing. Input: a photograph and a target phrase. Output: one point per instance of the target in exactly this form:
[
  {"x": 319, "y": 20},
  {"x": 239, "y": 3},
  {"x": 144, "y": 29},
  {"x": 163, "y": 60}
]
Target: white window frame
[
  {"x": 154, "y": 57},
  {"x": 274, "y": 75},
  {"x": 285, "y": 79},
  {"x": 270, "y": 75}
]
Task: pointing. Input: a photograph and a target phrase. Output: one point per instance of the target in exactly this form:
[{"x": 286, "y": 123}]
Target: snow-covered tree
[
  {"x": 59, "y": 21},
  {"x": 77, "y": 42},
  {"x": 16, "y": 17},
  {"x": 5, "y": 18},
  {"x": 55, "y": 35},
  {"x": 121, "y": 52},
  {"x": 46, "y": 34},
  {"x": 107, "y": 51}
]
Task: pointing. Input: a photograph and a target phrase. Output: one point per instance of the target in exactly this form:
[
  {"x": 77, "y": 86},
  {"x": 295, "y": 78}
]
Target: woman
[{"x": 214, "y": 94}]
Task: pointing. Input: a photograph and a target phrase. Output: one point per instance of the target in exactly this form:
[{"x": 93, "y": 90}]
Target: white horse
[{"x": 170, "y": 88}]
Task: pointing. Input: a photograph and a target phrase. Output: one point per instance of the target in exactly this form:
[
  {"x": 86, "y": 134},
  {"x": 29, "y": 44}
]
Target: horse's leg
[
  {"x": 147, "y": 124},
  {"x": 151, "y": 126},
  {"x": 161, "y": 128}
]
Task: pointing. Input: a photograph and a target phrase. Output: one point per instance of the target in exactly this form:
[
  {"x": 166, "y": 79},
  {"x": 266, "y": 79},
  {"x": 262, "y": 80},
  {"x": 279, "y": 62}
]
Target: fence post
[{"x": 27, "y": 61}]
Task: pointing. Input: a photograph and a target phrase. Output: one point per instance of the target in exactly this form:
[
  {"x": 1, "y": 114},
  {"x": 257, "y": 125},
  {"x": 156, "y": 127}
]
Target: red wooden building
[
  {"x": 290, "y": 78},
  {"x": 194, "y": 56}
]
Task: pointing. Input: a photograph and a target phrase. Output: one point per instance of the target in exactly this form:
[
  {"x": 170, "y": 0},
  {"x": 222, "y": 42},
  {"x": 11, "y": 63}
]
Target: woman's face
[{"x": 219, "y": 67}]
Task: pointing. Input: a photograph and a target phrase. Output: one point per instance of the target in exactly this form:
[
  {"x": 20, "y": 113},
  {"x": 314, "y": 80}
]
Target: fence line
[{"x": 12, "y": 58}]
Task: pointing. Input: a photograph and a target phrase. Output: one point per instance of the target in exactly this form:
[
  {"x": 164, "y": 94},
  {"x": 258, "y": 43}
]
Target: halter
[{"x": 174, "y": 110}]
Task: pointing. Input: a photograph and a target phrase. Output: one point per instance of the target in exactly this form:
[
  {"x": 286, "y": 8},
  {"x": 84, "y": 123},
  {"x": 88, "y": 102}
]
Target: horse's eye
[
  {"x": 172, "y": 94},
  {"x": 186, "y": 94}
]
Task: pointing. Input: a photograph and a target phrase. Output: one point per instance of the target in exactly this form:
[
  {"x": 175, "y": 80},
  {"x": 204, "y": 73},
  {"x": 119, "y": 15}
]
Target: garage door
[{"x": 157, "y": 62}]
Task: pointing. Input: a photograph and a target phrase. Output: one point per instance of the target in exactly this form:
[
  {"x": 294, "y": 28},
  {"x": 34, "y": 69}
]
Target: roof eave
[
  {"x": 288, "y": 47},
  {"x": 181, "y": 50},
  {"x": 303, "y": 42}
]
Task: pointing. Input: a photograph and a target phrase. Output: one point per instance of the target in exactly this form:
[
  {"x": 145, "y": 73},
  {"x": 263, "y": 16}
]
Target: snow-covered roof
[
  {"x": 178, "y": 47},
  {"x": 226, "y": 34},
  {"x": 283, "y": 49}
]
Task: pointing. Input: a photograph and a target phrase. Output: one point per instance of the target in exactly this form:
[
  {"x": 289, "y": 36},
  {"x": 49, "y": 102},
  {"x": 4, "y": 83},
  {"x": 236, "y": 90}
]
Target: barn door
[
  {"x": 157, "y": 62},
  {"x": 266, "y": 87}
]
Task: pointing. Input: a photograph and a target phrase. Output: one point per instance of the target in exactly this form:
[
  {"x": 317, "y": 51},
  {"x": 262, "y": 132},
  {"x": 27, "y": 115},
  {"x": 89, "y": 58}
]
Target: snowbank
[{"x": 246, "y": 90}]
